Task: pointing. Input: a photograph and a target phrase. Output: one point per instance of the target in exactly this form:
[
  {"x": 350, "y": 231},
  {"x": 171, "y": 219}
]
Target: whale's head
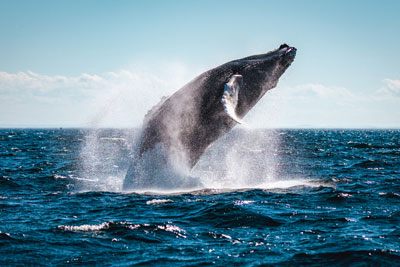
[{"x": 257, "y": 74}]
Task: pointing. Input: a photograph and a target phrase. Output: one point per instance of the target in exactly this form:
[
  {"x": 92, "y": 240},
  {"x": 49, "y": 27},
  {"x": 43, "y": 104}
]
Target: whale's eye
[{"x": 283, "y": 46}]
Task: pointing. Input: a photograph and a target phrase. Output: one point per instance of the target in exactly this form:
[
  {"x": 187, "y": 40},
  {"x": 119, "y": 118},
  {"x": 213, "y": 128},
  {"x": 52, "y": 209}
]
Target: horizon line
[{"x": 239, "y": 127}]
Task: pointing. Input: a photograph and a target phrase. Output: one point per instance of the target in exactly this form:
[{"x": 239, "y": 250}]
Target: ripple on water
[{"x": 331, "y": 199}]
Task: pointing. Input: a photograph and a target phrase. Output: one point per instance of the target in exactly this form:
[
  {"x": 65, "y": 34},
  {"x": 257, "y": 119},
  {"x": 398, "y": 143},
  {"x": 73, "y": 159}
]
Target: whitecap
[
  {"x": 158, "y": 201},
  {"x": 85, "y": 227}
]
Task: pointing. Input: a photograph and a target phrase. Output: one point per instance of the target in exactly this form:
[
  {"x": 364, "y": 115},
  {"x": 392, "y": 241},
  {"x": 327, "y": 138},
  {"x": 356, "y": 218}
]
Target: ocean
[{"x": 267, "y": 197}]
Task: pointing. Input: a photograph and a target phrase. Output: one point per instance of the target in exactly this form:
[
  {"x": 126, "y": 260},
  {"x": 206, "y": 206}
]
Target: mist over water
[
  {"x": 239, "y": 160},
  {"x": 105, "y": 156},
  {"x": 243, "y": 159}
]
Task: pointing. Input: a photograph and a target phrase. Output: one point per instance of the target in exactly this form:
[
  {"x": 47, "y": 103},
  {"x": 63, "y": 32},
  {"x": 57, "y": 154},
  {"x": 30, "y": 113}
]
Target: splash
[
  {"x": 106, "y": 153},
  {"x": 159, "y": 170},
  {"x": 104, "y": 158},
  {"x": 244, "y": 158}
]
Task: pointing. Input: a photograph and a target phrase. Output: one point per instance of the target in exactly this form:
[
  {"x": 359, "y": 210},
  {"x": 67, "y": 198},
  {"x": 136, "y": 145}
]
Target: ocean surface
[{"x": 267, "y": 197}]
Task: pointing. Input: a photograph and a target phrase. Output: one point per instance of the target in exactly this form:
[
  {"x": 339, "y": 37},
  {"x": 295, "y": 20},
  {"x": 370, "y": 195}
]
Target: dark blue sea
[{"x": 268, "y": 197}]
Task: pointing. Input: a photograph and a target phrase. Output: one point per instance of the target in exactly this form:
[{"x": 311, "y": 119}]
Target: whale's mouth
[
  {"x": 288, "y": 50},
  {"x": 291, "y": 51}
]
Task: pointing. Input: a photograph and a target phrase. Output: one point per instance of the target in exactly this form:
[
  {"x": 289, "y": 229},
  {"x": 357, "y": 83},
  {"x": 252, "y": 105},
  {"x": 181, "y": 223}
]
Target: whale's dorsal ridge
[
  {"x": 154, "y": 109},
  {"x": 230, "y": 97}
]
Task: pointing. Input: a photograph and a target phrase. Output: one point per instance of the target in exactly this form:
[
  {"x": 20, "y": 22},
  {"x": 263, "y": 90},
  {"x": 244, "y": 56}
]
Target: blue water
[{"x": 278, "y": 197}]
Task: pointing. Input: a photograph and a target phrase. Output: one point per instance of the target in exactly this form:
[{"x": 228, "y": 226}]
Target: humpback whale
[{"x": 189, "y": 121}]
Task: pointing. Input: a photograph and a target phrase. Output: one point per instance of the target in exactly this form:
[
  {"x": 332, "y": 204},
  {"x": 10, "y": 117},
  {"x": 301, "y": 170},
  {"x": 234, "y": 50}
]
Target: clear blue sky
[{"x": 59, "y": 60}]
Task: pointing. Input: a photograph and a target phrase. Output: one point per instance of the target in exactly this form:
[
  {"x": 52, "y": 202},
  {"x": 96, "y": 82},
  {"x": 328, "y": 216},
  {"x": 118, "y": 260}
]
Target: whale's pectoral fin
[{"x": 230, "y": 97}]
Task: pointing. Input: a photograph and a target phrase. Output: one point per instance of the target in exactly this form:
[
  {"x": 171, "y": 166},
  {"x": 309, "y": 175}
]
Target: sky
[{"x": 105, "y": 63}]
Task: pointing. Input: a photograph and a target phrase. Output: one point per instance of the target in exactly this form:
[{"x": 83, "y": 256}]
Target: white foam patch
[
  {"x": 243, "y": 202},
  {"x": 173, "y": 229},
  {"x": 283, "y": 184},
  {"x": 85, "y": 227},
  {"x": 56, "y": 176},
  {"x": 158, "y": 201}
]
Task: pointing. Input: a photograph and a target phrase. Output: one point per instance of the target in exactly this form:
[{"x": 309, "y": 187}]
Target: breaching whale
[{"x": 194, "y": 117}]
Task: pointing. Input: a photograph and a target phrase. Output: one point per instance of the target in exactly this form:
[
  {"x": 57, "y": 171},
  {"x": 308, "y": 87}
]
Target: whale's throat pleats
[{"x": 230, "y": 97}]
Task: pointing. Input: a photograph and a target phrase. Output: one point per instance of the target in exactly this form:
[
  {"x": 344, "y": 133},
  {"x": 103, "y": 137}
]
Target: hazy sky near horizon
[{"x": 105, "y": 63}]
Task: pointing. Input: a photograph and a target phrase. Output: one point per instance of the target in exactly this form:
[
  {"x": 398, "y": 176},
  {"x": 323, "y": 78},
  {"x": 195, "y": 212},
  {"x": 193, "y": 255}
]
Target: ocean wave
[
  {"x": 230, "y": 215},
  {"x": 128, "y": 230},
  {"x": 302, "y": 202},
  {"x": 349, "y": 257},
  {"x": 371, "y": 163}
]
